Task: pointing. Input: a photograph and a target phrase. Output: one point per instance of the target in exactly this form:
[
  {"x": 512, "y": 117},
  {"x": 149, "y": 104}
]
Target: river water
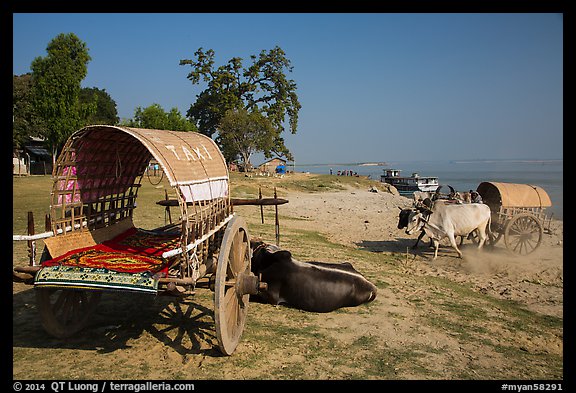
[{"x": 467, "y": 175}]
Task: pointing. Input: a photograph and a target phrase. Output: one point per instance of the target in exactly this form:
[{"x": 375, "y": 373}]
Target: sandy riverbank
[{"x": 368, "y": 220}]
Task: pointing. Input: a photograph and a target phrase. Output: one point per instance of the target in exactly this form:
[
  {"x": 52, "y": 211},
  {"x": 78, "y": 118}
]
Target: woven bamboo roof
[
  {"x": 99, "y": 171},
  {"x": 514, "y": 195},
  {"x": 186, "y": 157},
  {"x": 108, "y": 159}
]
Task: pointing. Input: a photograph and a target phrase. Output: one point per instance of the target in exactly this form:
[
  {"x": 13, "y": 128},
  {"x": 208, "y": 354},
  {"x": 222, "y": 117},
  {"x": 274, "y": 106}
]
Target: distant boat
[{"x": 407, "y": 185}]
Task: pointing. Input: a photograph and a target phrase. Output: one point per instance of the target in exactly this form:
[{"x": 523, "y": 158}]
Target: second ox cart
[{"x": 518, "y": 214}]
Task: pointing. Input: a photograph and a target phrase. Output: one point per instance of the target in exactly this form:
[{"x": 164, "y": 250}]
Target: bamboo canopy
[
  {"x": 98, "y": 173},
  {"x": 513, "y": 195},
  {"x": 187, "y": 158}
]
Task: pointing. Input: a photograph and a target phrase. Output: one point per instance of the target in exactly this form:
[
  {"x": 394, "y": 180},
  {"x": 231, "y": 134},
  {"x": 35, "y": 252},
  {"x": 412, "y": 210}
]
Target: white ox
[{"x": 451, "y": 220}]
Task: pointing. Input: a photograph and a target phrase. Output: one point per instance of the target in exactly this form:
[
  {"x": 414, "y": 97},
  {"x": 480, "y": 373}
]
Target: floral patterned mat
[{"x": 132, "y": 260}]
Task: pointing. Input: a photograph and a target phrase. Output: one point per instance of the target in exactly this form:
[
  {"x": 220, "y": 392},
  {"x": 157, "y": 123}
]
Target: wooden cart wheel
[
  {"x": 473, "y": 237},
  {"x": 494, "y": 237},
  {"x": 523, "y": 233},
  {"x": 64, "y": 312},
  {"x": 496, "y": 231},
  {"x": 491, "y": 238},
  {"x": 230, "y": 297}
]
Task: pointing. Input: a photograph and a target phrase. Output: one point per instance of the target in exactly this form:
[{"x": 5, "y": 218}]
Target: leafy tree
[
  {"x": 245, "y": 133},
  {"x": 154, "y": 117},
  {"x": 56, "y": 87},
  {"x": 261, "y": 88},
  {"x": 26, "y": 120},
  {"x": 176, "y": 122},
  {"x": 106, "y": 112}
]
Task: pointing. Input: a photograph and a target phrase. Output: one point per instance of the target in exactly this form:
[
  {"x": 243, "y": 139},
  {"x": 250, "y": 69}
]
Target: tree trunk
[
  {"x": 246, "y": 160},
  {"x": 54, "y": 153}
]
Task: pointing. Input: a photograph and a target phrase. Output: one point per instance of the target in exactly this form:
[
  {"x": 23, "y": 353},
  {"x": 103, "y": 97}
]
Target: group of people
[
  {"x": 472, "y": 197},
  {"x": 466, "y": 197},
  {"x": 345, "y": 172}
]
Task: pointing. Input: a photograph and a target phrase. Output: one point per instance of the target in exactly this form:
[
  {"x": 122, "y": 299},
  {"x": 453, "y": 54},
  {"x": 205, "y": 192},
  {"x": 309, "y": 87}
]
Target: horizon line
[{"x": 457, "y": 161}]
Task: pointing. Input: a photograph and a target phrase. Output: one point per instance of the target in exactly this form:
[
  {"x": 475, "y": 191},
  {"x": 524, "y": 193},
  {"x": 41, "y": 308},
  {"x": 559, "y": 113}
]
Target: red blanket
[{"x": 133, "y": 251}]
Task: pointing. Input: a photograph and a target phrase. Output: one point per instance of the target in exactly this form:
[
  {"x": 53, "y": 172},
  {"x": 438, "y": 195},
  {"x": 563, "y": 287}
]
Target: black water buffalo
[{"x": 308, "y": 286}]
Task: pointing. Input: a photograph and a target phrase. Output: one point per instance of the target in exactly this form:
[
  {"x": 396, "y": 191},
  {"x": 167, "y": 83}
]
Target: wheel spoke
[
  {"x": 515, "y": 243},
  {"x": 75, "y": 306},
  {"x": 59, "y": 302},
  {"x": 523, "y": 246},
  {"x": 235, "y": 255},
  {"x": 79, "y": 305},
  {"x": 518, "y": 225},
  {"x": 243, "y": 255},
  {"x": 231, "y": 270},
  {"x": 531, "y": 244},
  {"x": 239, "y": 252},
  {"x": 231, "y": 307},
  {"x": 521, "y": 225},
  {"x": 66, "y": 307},
  {"x": 531, "y": 226}
]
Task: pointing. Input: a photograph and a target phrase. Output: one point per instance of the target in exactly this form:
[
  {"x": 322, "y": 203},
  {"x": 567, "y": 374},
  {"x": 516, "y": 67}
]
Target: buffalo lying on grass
[{"x": 308, "y": 286}]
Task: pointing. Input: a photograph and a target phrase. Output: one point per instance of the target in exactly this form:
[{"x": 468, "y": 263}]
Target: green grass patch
[{"x": 250, "y": 186}]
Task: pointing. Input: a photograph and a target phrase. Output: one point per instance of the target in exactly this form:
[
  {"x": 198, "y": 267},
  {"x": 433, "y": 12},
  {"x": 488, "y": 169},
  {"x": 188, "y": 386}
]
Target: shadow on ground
[{"x": 184, "y": 325}]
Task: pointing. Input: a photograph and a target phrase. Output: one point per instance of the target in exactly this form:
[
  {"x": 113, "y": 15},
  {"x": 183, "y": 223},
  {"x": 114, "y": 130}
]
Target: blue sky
[{"x": 373, "y": 87}]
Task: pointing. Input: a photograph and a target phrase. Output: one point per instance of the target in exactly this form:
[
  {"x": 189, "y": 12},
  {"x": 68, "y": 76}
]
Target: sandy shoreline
[{"x": 368, "y": 220}]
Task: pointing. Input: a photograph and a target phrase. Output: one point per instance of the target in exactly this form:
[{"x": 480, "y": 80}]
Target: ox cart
[
  {"x": 92, "y": 245},
  {"x": 518, "y": 214}
]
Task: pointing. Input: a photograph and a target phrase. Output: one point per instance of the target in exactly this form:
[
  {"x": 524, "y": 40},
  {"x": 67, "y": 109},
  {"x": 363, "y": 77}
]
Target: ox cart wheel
[
  {"x": 495, "y": 237},
  {"x": 65, "y": 312},
  {"x": 491, "y": 238},
  {"x": 523, "y": 234},
  {"x": 233, "y": 285}
]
